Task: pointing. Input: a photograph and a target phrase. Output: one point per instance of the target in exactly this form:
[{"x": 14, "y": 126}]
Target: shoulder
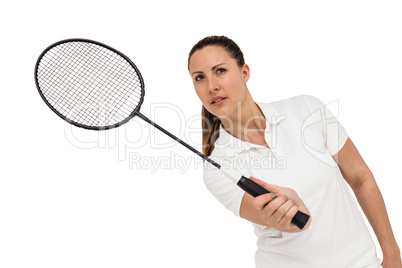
[
  {"x": 294, "y": 102},
  {"x": 301, "y": 105}
]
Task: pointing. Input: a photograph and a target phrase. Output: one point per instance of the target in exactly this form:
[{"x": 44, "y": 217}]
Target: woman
[{"x": 298, "y": 152}]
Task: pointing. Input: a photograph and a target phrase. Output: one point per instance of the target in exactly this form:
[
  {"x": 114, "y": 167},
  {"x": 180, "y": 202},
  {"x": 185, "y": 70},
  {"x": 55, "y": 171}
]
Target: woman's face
[{"x": 218, "y": 81}]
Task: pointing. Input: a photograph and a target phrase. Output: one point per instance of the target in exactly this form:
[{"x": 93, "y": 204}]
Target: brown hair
[{"x": 210, "y": 123}]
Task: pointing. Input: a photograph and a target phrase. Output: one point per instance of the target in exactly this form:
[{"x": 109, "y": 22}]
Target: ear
[{"x": 246, "y": 72}]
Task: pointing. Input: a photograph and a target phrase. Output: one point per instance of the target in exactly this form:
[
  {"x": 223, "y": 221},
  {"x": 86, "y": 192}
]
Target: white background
[{"x": 62, "y": 205}]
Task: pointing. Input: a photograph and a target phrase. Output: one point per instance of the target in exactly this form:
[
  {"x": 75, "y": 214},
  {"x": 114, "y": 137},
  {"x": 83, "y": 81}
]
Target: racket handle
[{"x": 300, "y": 219}]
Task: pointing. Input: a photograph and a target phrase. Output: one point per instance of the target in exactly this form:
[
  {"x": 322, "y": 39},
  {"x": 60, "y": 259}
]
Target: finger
[
  {"x": 290, "y": 213},
  {"x": 276, "y": 203},
  {"x": 271, "y": 208},
  {"x": 284, "y": 215},
  {"x": 262, "y": 200}
]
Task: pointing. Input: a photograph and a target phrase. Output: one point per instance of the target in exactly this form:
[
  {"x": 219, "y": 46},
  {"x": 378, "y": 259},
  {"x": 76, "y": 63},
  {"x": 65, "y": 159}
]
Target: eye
[
  {"x": 199, "y": 77},
  {"x": 220, "y": 70}
]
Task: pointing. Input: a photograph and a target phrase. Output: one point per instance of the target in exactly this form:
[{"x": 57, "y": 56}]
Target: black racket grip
[{"x": 300, "y": 219}]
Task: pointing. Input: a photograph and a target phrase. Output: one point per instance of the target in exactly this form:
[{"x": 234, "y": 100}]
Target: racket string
[{"x": 89, "y": 84}]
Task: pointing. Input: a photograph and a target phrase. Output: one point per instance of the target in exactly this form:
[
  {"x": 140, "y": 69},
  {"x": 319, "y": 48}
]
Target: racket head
[{"x": 89, "y": 84}]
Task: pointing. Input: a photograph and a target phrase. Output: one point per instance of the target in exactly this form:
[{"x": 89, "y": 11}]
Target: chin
[{"x": 221, "y": 113}]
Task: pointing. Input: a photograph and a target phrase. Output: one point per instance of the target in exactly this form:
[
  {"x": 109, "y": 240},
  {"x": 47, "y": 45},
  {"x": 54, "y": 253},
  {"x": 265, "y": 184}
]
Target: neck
[{"x": 247, "y": 123}]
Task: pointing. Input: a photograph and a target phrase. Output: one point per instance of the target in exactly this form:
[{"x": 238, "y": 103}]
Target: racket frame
[{"x": 133, "y": 114}]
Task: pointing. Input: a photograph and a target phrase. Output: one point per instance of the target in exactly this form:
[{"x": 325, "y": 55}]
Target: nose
[{"x": 213, "y": 84}]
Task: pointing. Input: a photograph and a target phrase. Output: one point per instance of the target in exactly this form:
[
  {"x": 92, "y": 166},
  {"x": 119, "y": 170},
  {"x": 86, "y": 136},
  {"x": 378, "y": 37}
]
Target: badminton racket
[{"x": 94, "y": 86}]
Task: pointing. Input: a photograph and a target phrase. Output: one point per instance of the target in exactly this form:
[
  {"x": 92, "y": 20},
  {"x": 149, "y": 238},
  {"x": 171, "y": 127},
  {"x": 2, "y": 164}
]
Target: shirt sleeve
[
  {"x": 333, "y": 133},
  {"x": 224, "y": 189}
]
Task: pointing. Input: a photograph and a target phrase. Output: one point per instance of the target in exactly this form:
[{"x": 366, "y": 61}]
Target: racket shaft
[{"x": 178, "y": 140}]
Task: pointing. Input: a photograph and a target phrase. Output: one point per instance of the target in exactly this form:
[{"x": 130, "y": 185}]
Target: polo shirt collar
[{"x": 227, "y": 145}]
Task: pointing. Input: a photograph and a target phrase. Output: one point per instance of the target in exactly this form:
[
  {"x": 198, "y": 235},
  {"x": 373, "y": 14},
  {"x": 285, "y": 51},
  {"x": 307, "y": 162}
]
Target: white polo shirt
[{"x": 302, "y": 134}]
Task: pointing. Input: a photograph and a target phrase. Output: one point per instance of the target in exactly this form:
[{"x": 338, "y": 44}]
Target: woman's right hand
[{"x": 278, "y": 208}]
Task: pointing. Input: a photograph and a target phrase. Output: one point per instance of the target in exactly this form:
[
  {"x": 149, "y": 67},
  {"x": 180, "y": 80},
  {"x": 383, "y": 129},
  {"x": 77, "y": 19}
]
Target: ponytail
[{"x": 210, "y": 131}]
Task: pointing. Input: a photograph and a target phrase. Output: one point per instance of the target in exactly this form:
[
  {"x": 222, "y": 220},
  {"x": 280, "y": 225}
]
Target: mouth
[{"x": 218, "y": 100}]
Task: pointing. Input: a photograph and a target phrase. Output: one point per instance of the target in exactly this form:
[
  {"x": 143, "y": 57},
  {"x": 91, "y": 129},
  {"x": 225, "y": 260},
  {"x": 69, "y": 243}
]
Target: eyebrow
[{"x": 213, "y": 68}]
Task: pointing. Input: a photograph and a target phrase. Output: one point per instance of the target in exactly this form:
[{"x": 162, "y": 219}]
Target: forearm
[{"x": 372, "y": 203}]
